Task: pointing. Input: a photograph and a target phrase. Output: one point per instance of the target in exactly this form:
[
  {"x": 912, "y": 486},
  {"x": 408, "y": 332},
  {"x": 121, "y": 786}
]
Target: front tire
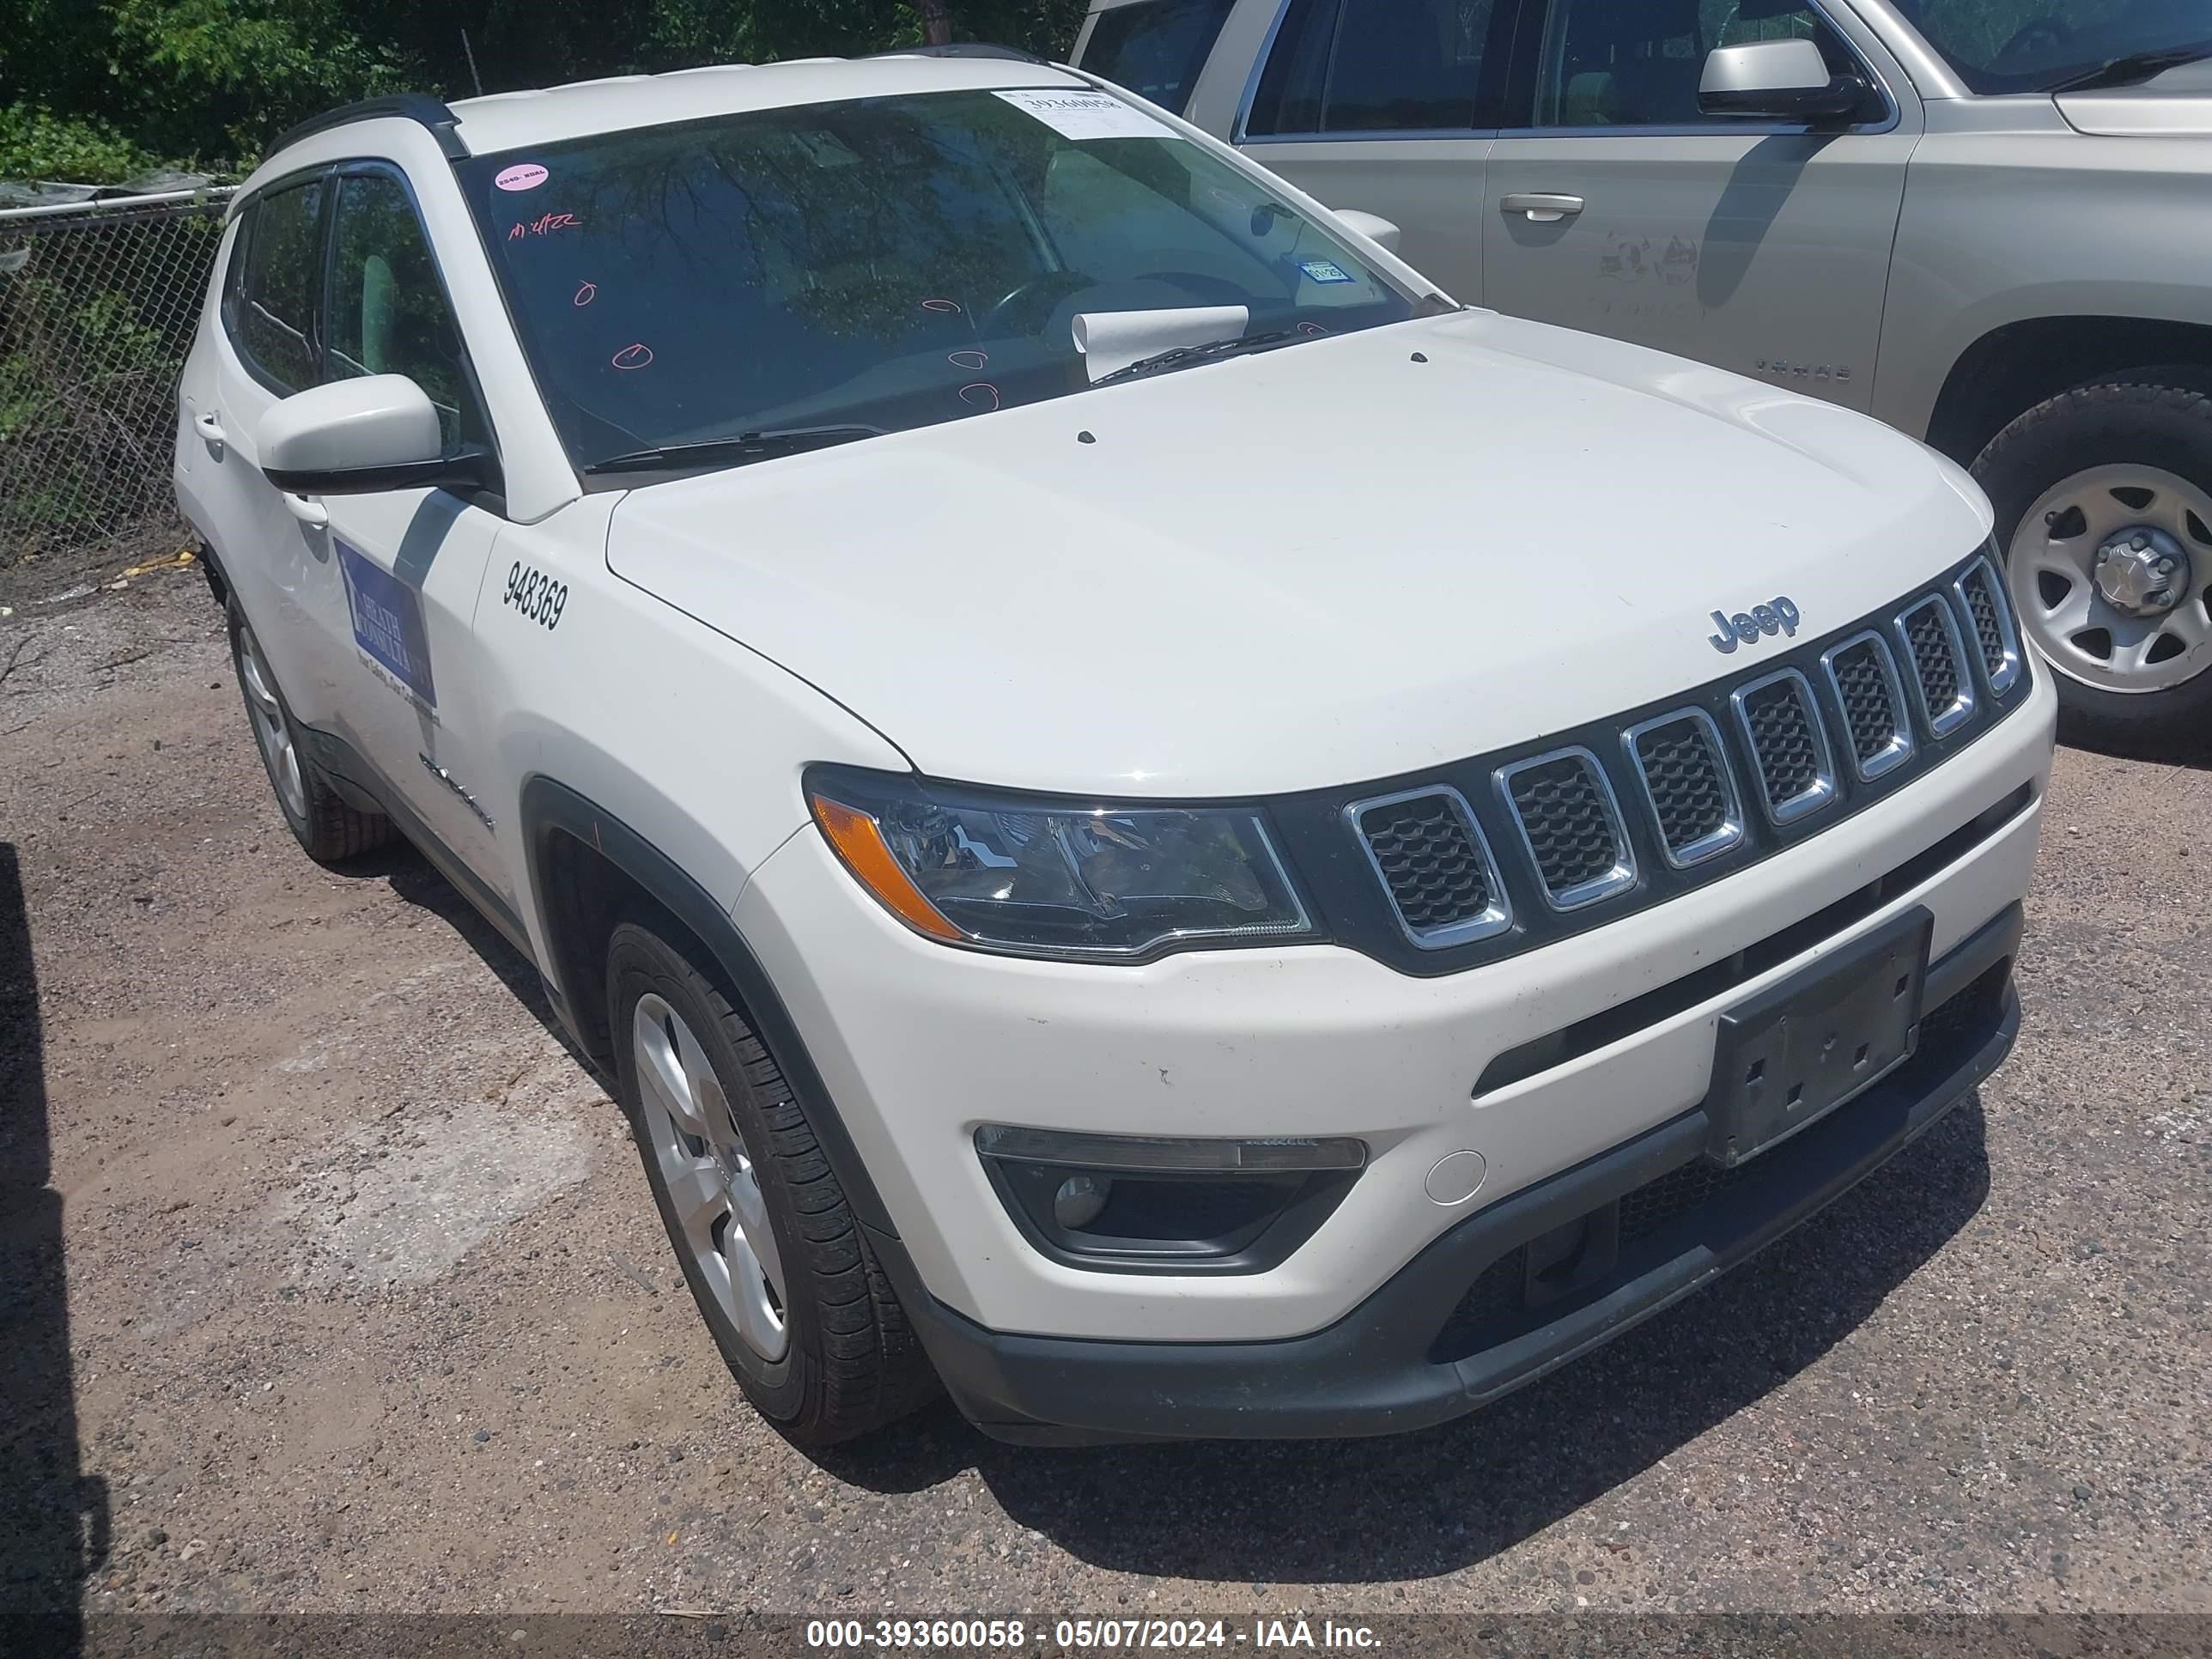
[
  {"x": 328, "y": 830},
  {"x": 2104, "y": 502},
  {"x": 777, "y": 1262}
]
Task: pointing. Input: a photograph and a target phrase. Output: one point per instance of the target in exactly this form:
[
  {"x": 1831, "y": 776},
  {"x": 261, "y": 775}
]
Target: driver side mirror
[
  {"x": 1782, "y": 80},
  {"x": 353, "y": 437},
  {"x": 1373, "y": 226}
]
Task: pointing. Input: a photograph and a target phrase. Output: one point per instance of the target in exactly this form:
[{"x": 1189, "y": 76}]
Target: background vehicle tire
[
  {"x": 2104, "y": 506},
  {"x": 329, "y": 828},
  {"x": 781, "y": 1271}
]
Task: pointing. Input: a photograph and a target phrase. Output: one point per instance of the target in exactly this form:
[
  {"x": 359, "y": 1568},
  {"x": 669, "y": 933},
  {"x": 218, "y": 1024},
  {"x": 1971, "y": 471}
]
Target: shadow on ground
[
  {"x": 53, "y": 1515},
  {"x": 414, "y": 878}
]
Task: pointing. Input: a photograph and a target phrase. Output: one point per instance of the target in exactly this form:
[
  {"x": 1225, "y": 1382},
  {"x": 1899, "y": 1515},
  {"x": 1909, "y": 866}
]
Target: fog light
[
  {"x": 1079, "y": 1201},
  {"x": 1159, "y": 1204},
  {"x": 1169, "y": 1156}
]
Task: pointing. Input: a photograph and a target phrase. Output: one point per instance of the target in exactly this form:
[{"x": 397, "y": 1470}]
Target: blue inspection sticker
[
  {"x": 1326, "y": 270},
  {"x": 387, "y": 622}
]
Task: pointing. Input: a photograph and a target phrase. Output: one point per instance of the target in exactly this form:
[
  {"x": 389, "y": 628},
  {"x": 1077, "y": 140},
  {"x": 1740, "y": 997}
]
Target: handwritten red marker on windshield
[
  {"x": 633, "y": 356},
  {"x": 544, "y": 225}
]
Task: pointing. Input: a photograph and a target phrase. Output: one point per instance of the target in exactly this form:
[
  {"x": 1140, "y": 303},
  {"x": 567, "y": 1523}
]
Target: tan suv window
[
  {"x": 1637, "y": 63},
  {"x": 1373, "y": 66}
]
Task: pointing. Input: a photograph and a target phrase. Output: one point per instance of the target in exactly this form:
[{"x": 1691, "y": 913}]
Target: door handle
[
  {"x": 209, "y": 427},
  {"x": 1542, "y": 208},
  {"x": 307, "y": 510}
]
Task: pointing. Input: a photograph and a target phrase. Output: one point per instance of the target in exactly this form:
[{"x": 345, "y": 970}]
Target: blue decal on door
[{"x": 387, "y": 621}]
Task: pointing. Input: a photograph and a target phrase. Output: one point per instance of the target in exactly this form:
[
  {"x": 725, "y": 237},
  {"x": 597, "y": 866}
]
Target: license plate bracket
[{"x": 1788, "y": 1057}]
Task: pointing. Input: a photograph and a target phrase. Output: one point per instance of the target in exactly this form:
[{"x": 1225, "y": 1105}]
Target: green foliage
[
  {"x": 35, "y": 144},
  {"x": 222, "y": 76}
]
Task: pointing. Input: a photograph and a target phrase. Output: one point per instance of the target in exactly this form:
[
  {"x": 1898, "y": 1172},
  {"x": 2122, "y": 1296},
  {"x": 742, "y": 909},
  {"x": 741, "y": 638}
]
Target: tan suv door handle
[{"x": 1543, "y": 209}]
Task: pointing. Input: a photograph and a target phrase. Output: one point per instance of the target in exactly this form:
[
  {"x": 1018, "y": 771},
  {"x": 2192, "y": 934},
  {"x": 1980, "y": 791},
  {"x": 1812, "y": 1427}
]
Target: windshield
[
  {"x": 2037, "y": 45},
  {"x": 879, "y": 265}
]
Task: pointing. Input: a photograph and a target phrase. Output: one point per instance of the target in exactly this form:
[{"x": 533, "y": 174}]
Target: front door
[
  {"x": 1377, "y": 105},
  {"x": 409, "y": 564},
  {"x": 1617, "y": 207}
]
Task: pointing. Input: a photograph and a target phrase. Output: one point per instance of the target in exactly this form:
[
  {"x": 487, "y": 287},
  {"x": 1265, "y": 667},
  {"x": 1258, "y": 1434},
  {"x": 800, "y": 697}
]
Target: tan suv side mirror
[{"x": 1782, "y": 80}]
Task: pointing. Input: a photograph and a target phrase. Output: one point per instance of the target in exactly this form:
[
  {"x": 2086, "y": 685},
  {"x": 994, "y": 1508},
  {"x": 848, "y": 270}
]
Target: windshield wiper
[
  {"x": 745, "y": 447},
  {"x": 1183, "y": 356},
  {"x": 2134, "y": 68}
]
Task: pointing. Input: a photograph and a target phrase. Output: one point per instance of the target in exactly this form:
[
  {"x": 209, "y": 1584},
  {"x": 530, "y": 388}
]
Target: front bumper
[
  {"x": 1449, "y": 1332},
  {"x": 917, "y": 1046}
]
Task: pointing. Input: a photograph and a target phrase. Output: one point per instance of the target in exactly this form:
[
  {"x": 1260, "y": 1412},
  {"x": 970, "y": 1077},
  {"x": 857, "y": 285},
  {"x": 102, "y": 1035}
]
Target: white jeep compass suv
[{"x": 1151, "y": 821}]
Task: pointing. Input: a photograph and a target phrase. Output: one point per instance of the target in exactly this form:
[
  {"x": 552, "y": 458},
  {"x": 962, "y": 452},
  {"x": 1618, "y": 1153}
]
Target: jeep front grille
[
  {"x": 1503, "y": 853},
  {"x": 1940, "y": 674},
  {"x": 1990, "y": 620},
  {"x": 1433, "y": 860},
  {"x": 1788, "y": 751},
  {"x": 1571, "y": 826},
  {"x": 1685, "y": 773},
  {"x": 1877, "y": 725}
]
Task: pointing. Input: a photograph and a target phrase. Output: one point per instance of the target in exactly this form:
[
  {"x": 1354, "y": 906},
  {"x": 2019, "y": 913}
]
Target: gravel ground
[{"x": 366, "y": 1307}]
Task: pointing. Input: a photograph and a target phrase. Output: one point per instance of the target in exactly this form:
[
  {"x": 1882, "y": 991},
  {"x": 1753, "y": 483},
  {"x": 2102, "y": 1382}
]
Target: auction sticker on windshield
[{"x": 1080, "y": 115}]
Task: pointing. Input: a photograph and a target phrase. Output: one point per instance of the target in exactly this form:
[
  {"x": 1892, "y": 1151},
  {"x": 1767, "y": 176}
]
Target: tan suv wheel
[{"x": 2104, "y": 502}]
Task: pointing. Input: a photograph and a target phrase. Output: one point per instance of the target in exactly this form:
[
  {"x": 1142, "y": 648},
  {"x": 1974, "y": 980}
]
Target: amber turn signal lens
[{"x": 860, "y": 844}]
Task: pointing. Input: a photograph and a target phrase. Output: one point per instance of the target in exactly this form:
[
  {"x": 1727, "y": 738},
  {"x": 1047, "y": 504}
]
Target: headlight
[{"x": 1052, "y": 878}]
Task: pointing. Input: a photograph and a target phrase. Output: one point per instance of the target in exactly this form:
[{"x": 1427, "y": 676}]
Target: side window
[
  {"x": 1637, "y": 63},
  {"x": 1372, "y": 66},
  {"x": 387, "y": 312},
  {"x": 1157, "y": 47},
  {"x": 275, "y": 285}
]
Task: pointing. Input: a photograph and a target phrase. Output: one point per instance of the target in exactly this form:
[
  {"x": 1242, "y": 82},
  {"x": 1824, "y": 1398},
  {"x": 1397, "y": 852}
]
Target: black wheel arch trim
[{"x": 550, "y": 808}]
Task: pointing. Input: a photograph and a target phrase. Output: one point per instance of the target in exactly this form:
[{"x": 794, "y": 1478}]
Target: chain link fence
[{"x": 98, "y": 301}]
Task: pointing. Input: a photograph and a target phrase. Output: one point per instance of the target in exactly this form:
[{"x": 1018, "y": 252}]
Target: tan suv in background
[{"x": 1980, "y": 221}]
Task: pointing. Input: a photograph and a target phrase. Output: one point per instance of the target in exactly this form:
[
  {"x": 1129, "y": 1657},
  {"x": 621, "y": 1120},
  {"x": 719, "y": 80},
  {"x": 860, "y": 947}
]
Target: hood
[
  {"x": 1304, "y": 568},
  {"x": 2175, "y": 105}
]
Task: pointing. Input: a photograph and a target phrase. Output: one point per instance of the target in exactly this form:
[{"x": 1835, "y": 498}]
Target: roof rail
[
  {"x": 403, "y": 106},
  {"x": 964, "y": 49}
]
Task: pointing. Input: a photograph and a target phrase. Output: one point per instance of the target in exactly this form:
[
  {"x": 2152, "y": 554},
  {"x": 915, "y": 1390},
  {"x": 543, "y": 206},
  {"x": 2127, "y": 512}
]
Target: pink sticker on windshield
[{"x": 523, "y": 175}]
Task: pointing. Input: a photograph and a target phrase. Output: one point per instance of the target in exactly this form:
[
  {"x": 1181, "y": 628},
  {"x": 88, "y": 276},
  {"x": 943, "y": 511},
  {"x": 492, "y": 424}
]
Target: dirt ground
[{"x": 328, "y": 1282}]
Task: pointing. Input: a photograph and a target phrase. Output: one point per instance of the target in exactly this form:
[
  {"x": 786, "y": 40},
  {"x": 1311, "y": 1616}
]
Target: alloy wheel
[
  {"x": 712, "y": 1187},
  {"x": 271, "y": 729}
]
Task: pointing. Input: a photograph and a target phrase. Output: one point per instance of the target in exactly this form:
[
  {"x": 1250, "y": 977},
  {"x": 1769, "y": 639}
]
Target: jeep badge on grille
[{"x": 1776, "y": 616}]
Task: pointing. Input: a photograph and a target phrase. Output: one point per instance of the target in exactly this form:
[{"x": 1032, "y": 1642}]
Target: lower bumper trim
[{"x": 1412, "y": 1355}]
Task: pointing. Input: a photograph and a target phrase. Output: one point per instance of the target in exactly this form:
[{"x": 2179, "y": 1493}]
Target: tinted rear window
[
  {"x": 1373, "y": 66},
  {"x": 1157, "y": 47},
  {"x": 273, "y": 309}
]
